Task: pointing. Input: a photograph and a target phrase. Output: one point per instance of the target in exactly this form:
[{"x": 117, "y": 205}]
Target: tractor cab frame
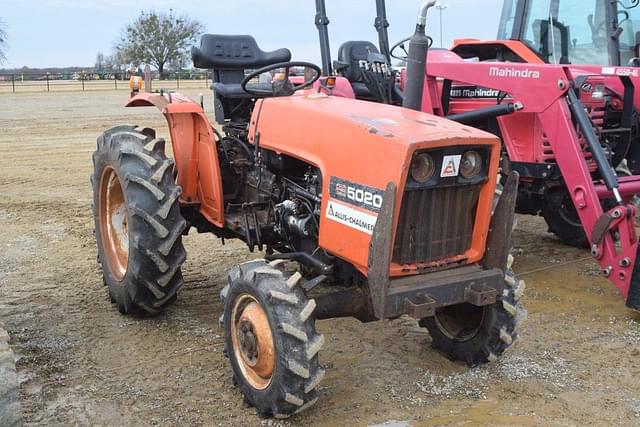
[{"x": 597, "y": 32}]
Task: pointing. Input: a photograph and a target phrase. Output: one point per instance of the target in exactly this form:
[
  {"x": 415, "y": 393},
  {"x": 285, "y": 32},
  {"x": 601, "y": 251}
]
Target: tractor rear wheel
[
  {"x": 476, "y": 335},
  {"x": 271, "y": 339},
  {"x": 138, "y": 225}
]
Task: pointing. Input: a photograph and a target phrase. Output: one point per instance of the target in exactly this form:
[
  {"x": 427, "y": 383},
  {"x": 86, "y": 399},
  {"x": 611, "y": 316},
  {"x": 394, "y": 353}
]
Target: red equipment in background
[
  {"x": 567, "y": 129},
  {"x": 549, "y": 135}
]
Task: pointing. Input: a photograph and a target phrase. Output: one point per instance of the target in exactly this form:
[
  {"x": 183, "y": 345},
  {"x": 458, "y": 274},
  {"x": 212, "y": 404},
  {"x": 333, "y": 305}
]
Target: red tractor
[
  {"x": 568, "y": 129},
  {"x": 365, "y": 210}
]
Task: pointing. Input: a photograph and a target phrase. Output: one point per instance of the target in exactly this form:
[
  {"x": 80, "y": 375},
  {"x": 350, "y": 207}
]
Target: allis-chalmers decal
[
  {"x": 350, "y": 217},
  {"x": 450, "y": 166},
  {"x": 356, "y": 194},
  {"x": 514, "y": 72}
]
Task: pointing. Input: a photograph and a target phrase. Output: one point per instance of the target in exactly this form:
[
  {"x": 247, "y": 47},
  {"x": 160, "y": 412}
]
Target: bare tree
[
  {"x": 100, "y": 61},
  {"x": 158, "y": 39},
  {"x": 3, "y": 42}
]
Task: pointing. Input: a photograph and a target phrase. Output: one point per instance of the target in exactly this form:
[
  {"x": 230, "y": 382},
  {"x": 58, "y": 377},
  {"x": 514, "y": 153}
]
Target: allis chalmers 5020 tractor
[
  {"x": 568, "y": 129},
  {"x": 362, "y": 209}
]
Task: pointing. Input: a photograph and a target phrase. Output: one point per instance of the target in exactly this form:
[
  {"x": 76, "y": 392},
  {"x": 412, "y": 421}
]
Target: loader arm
[{"x": 543, "y": 91}]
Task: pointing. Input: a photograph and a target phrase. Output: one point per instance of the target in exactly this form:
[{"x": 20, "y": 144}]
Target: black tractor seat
[
  {"x": 234, "y": 52},
  {"x": 348, "y": 64},
  {"x": 229, "y": 57}
]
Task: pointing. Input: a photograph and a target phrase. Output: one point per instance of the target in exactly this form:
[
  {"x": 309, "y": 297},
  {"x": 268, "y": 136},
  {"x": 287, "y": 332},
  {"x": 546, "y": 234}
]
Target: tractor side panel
[
  {"x": 367, "y": 146},
  {"x": 194, "y": 151}
]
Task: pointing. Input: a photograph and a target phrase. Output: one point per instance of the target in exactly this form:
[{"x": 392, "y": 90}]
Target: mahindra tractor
[
  {"x": 358, "y": 209},
  {"x": 570, "y": 130}
]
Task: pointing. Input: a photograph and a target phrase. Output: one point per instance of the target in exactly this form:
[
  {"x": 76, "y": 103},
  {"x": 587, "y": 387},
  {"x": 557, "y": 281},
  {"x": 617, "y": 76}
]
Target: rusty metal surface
[
  {"x": 601, "y": 228},
  {"x": 420, "y": 306},
  {"x": 380, "y": 251},
  {"x": 455, "y": 287},
  {"x": 480, "y": 295},
  {"x": 417, "y": 296},
  {"x": 350, "y": 303},
  {"x": 499, "y": 241},
  {"x": 435, "y": 223},
  {"x": 252, "y": 341},
  {"x": 113, "y": 218}
]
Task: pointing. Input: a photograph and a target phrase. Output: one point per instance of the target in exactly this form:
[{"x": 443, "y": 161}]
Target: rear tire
[
  {"x": 137, "y": 220},
  {"x": 271, "y": 339},
  {"x": 10, "y": 411}
]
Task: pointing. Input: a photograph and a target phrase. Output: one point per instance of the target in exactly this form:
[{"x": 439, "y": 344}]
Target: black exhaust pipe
[{"x": 417, "y": 61}]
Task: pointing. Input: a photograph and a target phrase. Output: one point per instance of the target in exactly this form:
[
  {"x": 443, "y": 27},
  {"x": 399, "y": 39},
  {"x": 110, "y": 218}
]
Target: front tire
[
  {"x": 137, "y": 220},
  {"x": 271, "y": 339},
  {"x": 562, "y": 219},
  {"x": 477, "y": 335}
]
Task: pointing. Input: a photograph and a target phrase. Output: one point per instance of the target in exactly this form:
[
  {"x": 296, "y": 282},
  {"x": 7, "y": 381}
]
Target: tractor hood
[{"x": 366, "y": 145}]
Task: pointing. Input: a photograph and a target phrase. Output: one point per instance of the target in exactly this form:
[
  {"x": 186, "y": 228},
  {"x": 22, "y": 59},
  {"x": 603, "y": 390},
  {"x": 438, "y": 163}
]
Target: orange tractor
[{"x": 362, "y": 210}]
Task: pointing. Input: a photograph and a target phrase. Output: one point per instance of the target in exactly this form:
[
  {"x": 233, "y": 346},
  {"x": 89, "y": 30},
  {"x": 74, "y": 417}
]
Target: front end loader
[{"x": 364, "y": 210}]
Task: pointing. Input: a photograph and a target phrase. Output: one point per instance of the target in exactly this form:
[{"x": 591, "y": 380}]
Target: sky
[{"x": 60, "y": 33}]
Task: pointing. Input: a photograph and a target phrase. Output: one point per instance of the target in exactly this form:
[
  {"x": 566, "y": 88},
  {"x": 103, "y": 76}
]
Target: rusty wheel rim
[
  {"x": 114, "y": 223},
  {"x": 460, "y": 322},
  {"x": 252, "y": 340}
]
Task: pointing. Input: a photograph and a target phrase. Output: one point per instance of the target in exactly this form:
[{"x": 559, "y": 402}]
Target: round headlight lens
[
  {"x": 423, "y": 168},
  {"x": 471, "y": 164}
]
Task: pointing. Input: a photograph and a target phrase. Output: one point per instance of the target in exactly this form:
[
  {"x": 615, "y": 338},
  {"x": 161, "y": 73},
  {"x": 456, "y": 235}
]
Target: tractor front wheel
[
  {"x": 562, "y": 219},
  {"x": 477, "y": 335},
  {"x": 138, "y": 225},
  {"x": 271, "y": 339}
]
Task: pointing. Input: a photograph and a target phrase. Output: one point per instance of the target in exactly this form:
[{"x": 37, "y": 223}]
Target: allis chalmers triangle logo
[{"x": 450, "y": 166}]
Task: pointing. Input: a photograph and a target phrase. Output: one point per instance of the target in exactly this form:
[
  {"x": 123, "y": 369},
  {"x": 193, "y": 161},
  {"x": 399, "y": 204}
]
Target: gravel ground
[
  {"x": 80, "y": 362},
  {"x": 10, "y": 411}
]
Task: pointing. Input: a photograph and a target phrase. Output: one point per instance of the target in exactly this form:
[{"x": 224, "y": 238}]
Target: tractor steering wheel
[
  {"x": 400, "y": 45},
  {"x": 282, "y": 87}
]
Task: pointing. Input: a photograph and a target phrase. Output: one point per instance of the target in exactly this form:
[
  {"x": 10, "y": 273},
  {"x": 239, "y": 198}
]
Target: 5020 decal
[{"x": 356, "y": 194}]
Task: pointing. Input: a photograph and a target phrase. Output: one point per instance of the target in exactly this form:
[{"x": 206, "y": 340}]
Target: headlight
[
  {"x": 422, "y": 168},
  {"x": 471, "y": 164}
]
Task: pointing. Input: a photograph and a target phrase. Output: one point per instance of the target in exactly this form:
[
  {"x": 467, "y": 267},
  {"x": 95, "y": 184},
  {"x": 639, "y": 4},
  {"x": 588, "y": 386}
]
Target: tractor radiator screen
[{"x": 435, "y": 223}]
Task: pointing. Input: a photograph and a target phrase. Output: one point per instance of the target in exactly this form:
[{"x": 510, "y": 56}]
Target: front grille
[{"x": 435, "y": 223}]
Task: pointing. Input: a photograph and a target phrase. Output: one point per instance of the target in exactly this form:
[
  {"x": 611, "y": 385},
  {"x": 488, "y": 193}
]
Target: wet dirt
[{"x": 80, "y": 362}]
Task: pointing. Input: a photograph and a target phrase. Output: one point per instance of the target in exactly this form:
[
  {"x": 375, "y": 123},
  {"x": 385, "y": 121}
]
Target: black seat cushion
[
  {"x": 234, "y": 52},
  {"x": 352, "y": 53}
]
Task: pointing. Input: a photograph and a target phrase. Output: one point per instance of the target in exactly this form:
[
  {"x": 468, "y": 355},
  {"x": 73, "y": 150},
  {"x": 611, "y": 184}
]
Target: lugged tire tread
[
  {"x": 291, "y": 312},
  {"x": 156, "y": 225}
]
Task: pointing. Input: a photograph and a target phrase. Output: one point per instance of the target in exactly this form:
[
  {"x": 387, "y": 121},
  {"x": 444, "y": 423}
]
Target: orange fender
[{"x": 194, "y": 151}]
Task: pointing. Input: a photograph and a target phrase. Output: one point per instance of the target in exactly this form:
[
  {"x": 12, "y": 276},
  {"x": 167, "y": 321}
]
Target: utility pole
[{"x": 441, "y": 7}]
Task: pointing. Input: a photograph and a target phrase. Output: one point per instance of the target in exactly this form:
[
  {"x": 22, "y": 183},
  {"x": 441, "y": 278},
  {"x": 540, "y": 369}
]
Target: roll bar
[{"x": 322, "y": 24}]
